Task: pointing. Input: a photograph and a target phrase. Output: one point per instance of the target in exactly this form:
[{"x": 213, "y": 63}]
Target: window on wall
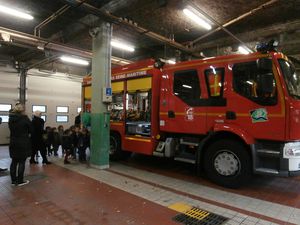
[
  {"x": 186, "y": 85},
  {"x": 4, "y": 118},
  {"x": 41, "y": 108},
  {"x": 62, "y": 109},
  {"x": 62, "y": 119},
  {"x": 214, "y": 80},
  {"x": 78, "y": 109},
  {"x": 44, "y": 117},
  {"x": 5, "y": 107},
  {"x": 248, "y": 82}
]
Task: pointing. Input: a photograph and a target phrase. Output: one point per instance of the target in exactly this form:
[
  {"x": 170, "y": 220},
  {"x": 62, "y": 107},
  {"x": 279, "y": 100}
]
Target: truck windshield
[{"x": 292, "y": 79}]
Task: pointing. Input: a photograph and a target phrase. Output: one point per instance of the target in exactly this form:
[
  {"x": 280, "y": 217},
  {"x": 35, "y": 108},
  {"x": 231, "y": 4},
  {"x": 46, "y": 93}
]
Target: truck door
[
  {"x": 259, "y": 112},
  {"x": 181, "y": 110},
  {"x": 217, "y": 101}
]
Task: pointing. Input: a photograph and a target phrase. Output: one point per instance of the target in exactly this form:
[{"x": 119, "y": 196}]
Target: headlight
[{"x": 291, "y": 150}]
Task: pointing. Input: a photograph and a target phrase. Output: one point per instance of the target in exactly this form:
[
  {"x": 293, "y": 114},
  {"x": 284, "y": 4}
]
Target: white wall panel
[
  {"x": 9, "y": 94},
  {"x": 51, "y": 92}
]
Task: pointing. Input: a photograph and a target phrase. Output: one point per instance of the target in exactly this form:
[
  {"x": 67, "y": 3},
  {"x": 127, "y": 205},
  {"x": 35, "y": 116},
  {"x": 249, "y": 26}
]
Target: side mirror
[{"x": 264, "y": 65}]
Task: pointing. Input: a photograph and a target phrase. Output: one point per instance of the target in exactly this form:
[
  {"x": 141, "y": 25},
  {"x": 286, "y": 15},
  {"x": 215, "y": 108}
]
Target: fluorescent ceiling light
[
  {"x": 124, "y": 62},
  {"x": 193, "y": 16},
  {"x": 74, "y": 60},
  {"x": 14, "y": 12},
  {"x": 243, "y": 50},
  {"x": 186, "y": 86},
  {"x": 123, "y": 46}
]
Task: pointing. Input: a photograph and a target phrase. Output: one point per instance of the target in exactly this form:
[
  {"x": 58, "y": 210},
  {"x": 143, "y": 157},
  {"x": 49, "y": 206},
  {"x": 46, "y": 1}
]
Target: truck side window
[
  {"x": 116, "y": 107},
  {"x": 214, "y": 81},
  {"x": 186, "y": 85},
  {"x": 247, "y": 81}
]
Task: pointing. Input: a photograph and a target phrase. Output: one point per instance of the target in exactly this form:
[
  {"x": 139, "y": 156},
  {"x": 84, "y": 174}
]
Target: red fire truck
[{"x": 231, "y": 116}]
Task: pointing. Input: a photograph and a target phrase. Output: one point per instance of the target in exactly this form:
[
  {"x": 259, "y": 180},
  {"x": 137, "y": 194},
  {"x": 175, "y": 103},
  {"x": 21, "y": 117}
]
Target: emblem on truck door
[
  {"x": 259, "y": 115},
  {"x": 189, "y": 114}
]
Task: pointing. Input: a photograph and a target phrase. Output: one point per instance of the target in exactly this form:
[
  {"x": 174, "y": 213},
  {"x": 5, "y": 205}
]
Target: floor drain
[{"x": 196, "y": 216}]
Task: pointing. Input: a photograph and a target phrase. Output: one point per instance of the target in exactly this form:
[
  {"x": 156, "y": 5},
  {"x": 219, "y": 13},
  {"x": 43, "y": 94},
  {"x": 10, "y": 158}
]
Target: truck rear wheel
[
  {"x": 227, "y": 163},
  {"x": 115, "y": 146},
  {"x": 115, "y": 150}
]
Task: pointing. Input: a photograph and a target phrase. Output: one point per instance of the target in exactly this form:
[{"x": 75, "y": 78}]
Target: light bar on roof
[
  {"x": 74, "y": 60},
  {"x": 243, "y": 50},
  {"x": 121, "y": 45},
  {"x": 171, "y": 61},
  {"x": 192, "y": 14},
  {"x": 14, "y": 12}
]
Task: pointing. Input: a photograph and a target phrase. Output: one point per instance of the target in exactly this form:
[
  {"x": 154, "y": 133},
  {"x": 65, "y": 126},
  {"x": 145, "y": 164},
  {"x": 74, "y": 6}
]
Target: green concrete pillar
[{"x": 101, "y": 72}]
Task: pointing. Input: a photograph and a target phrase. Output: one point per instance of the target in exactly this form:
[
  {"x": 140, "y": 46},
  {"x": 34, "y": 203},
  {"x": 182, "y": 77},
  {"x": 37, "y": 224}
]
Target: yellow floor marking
[{"x": 180, "y": 207}]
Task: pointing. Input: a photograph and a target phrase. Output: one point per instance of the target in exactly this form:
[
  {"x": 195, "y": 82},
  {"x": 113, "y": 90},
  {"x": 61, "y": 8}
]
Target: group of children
[{"x": 73, "y": 140}]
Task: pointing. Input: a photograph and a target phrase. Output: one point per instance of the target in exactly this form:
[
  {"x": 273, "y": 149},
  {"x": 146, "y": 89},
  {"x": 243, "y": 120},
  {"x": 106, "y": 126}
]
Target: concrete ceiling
[{"x": 157, "y": 28}]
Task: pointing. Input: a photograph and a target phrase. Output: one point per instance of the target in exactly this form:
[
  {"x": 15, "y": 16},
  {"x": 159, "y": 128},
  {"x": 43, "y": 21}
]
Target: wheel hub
[{"x": 226, "y": 163}]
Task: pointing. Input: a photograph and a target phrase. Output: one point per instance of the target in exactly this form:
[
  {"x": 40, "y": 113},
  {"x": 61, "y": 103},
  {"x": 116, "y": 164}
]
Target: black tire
[
  {"x": 115, "y": 151},
  {"x": 228, "y": 163}
]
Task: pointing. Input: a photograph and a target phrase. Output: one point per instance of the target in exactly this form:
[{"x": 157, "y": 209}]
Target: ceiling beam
[
  {"x": 41, "y": 44},
  {"x": 117, "y": 20}
]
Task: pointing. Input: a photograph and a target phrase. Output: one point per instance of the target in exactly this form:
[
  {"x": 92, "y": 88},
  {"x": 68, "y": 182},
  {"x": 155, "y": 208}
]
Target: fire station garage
[{"x": 149, "y": 112}]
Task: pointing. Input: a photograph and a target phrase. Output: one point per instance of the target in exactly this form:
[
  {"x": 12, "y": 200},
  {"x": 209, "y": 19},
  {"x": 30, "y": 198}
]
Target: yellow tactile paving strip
[{"x": 193, "y": 215}]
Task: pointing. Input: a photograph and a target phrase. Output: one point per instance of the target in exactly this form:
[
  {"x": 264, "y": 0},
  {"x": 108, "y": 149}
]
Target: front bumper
[
  {"x": 294, "y": 173},
  {"x": 268, "y": 158}
]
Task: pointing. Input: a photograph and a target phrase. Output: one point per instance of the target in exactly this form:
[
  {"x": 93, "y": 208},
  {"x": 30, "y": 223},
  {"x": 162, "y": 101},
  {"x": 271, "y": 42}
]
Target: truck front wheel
[{"x": 227, "y": 163}]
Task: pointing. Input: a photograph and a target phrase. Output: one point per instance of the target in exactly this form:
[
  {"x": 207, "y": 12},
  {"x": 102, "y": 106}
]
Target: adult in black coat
[
  {"x": 38, "y": 143},
  {"x": 20, "y": 143},
  {"x": 77, "y": 121}
]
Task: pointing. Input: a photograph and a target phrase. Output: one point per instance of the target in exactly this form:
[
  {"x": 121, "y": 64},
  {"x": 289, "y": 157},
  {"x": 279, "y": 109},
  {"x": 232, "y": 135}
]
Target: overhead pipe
[
  {"x": 117, "y": 20},
  {"x": 42, "y": 62},
  {"x": 62, "y": 10},
  {"x": 18, "y": 38},
  {"x": 37, "y": 29},
  {"x": 252, "y": 11}
]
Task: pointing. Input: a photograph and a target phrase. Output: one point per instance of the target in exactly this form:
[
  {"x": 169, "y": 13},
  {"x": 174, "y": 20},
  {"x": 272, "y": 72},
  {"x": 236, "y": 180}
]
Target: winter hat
[
  {"x": 37, "y": 113},
  {"x": 18, "y": 108}
]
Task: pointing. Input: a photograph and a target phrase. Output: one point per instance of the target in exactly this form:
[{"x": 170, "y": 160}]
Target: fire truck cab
[{"x": 231, "y": 116}]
